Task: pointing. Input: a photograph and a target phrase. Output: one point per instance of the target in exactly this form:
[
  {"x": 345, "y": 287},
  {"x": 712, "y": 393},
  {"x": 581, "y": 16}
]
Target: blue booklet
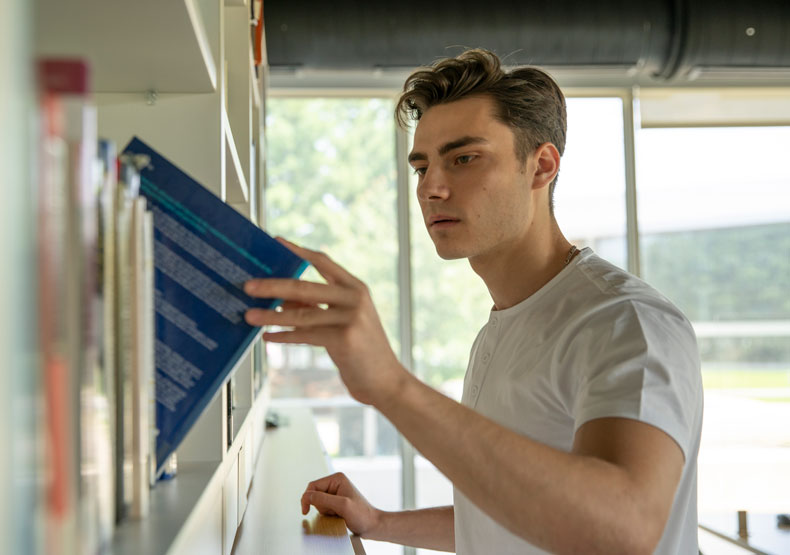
[{"x": 204, "y": 251}]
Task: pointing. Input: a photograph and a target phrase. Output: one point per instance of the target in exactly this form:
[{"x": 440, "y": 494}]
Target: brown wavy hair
[{"x": 527, "y": 99}]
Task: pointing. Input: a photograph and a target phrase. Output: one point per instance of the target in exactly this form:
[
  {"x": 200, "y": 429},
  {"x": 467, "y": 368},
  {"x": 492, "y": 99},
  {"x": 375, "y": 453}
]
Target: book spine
[
  {"x": 123, "y": 348},
  {"x": 108, "y": 177},
  {"x": 60, "y": 488},
  {"x": 141, "y": 368},
  {"x": 79, "y": 384},
  {"x": 150, "y": 342}
]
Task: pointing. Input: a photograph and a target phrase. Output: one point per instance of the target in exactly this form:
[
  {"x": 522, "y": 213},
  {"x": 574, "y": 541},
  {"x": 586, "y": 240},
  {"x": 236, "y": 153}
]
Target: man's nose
[{"x": 433, "y": 185}]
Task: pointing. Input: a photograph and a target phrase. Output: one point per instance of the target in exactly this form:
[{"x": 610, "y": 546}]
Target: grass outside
[{"x": 747, "y": 379}]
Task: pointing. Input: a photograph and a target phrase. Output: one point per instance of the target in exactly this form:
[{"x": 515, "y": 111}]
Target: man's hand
[
  {"x": 335, "y": 495},
  {"x": 338, "y": 315}
]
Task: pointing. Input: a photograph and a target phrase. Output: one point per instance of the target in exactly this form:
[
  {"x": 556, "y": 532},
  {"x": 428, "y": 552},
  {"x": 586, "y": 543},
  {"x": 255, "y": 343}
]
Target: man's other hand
[{"x": 335, "y": 495}]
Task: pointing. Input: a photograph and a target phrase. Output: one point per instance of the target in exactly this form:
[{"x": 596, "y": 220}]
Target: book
[
  {"x": 126, "y": 191},
  {"x": 133, "y": 345},
  {"x": 204, "y": 252},
  {"x": 72, "y": 371},
  {"x": 108, "y": 179},
  {"x": 142, "y": 359},
  {"x": 58, "y": 464}
]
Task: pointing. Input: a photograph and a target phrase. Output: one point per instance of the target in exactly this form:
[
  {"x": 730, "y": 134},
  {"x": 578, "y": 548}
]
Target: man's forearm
[
  {"x": 426, "y": 528},
  {"x": 537, "y": 492}
]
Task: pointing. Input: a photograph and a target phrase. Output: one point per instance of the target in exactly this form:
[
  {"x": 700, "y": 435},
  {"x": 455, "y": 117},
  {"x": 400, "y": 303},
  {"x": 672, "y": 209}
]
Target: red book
[{"x": 77, "y": 442}]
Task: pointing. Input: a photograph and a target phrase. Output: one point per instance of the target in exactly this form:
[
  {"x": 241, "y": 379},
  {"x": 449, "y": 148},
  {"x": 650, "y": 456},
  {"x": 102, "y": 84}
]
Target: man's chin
[{"x": 450, "y": 254}]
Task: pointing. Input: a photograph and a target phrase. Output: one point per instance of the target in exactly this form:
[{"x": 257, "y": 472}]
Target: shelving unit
[
  {"x": 179, "y": 74},
  {"x": 134, "y": 46}
]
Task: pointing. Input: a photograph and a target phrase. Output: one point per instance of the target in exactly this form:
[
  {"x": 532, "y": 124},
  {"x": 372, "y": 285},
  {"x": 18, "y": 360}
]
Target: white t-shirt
[{"x": 594, "y": 342}]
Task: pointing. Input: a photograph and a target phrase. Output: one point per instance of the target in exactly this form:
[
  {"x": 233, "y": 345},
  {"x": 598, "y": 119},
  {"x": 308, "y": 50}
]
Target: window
[
  {"x": 714, "y": 215},
  {"x": 714, "y": 236},
  {"x": 332, "y": 187},
  {"x": 589, "y": 201}
]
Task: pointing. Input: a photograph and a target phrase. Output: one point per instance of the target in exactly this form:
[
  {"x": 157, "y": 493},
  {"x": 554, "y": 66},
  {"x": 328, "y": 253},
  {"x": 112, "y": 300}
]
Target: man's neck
[{"x": 514, "y": 272}]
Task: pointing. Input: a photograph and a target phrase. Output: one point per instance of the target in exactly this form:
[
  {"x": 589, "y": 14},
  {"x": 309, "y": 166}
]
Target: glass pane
[
  {"x": 332, "y": 187},
  {"x": 714, "y": 213},
  {"x": 589, "y": 200},
  {"x": 451, "y": 303}
]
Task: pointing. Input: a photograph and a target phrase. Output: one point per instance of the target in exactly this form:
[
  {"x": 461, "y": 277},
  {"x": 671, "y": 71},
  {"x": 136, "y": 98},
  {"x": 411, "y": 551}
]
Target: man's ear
[{"x": 547, "y": 164}]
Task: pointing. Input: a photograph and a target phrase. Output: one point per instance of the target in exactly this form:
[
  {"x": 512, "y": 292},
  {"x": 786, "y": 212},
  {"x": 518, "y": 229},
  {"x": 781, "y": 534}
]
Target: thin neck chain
[{"x": 571, "y": 254}]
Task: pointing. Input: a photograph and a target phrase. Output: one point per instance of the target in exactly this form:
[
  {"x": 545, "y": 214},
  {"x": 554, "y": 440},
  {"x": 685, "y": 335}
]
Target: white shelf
[
  {"x": 172, "y": 502},
  {"x": 292, "y": 456},
  {"x": 238, "y": 87},
  {"x": 236, "y": 191},
  {"x": 182, "y": 507},
  {"x": 131, "y": 46}
]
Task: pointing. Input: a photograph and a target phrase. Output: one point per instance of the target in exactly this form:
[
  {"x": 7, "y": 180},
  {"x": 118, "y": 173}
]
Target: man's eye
[
  {"x": 420, "y": 171},
  {"x": 465, "y": 158}
]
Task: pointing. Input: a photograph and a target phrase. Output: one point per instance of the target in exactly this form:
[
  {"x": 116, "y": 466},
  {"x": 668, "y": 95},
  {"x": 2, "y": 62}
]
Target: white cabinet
[{"x": 230, "y": 503}]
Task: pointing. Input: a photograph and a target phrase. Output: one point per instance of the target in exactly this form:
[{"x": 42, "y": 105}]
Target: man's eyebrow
[
  {"x": 458, "y": 143},
  {"x": 416, "y": 156},
  {"x": 447, "y": 147}
]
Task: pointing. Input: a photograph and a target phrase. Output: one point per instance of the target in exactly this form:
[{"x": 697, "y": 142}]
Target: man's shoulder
[
  {"x": 601, "y": 282},
  {"x": 609, "y": 278},
  {"x": 604, "y": 291}
]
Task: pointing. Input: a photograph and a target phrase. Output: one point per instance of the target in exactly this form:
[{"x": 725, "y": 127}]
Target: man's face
[{"x": 473, "y": 191}]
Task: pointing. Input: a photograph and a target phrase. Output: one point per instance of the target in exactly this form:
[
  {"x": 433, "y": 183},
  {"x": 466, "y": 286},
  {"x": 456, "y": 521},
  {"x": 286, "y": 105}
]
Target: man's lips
[{"x": 441, "y": 221}]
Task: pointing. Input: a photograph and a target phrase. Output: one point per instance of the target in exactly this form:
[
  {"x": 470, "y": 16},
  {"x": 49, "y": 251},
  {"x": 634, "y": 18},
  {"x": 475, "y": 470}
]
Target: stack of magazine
[{"x": 141, "y": 305}]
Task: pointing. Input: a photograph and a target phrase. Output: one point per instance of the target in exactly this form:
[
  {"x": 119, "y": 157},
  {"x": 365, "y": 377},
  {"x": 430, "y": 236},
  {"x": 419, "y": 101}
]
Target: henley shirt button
[
  {"x": 486, "y": 356},
  {"x": 474, "y": 390},
  {"x": 493, "y": 322}
]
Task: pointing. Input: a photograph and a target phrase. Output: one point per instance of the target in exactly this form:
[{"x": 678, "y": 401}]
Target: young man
[{"x": 580, "y": 421}]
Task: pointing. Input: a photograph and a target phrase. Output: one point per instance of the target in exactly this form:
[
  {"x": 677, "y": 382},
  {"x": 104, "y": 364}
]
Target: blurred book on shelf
[
  {"x": 78, "y": 450},
  {"x": 134, "y": 332},
  {"x": 58, "y": 465}
]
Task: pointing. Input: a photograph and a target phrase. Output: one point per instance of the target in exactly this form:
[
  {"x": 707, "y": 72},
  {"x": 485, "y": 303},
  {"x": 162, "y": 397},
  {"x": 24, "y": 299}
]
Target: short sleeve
[{"x": 639, "y": 360}]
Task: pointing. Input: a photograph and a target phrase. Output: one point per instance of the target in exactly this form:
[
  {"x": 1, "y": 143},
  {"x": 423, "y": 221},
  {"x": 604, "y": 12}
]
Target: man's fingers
[
  {"x": 296, "y": 317},
  {"x": 330, "y": 483},
  {"x": 287, "y": 305},
  {"x": 331, "y": 270},
  {"x": 304, "y": 292},
  {"x": 322, "y": 484},
  {"x": 328, "y": 504},
  {"x": 305, "y": 501},
  {"x": 312, "y": 336}
]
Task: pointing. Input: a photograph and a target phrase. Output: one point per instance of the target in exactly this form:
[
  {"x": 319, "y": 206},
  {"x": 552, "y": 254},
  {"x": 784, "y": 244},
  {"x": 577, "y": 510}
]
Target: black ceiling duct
[
  {"x": 656, "y": 39},
  {"x": 733, "y": 35}
]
